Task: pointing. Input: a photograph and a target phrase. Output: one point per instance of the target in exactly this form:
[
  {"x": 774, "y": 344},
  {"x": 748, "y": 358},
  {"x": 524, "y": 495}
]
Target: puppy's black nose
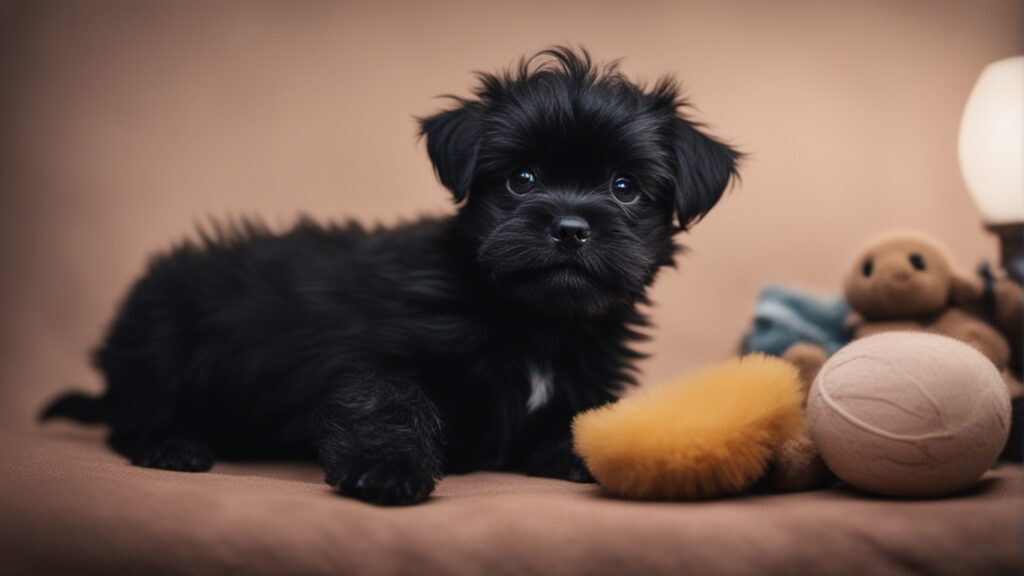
[{"x": 570, "y": 231}]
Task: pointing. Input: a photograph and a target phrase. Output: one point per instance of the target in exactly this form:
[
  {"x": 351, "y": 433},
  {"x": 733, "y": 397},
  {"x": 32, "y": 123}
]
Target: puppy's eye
[
  {"x": 867, "y": 268},
  {"x": 521, "y": 181},
  {"x": 917, "y": 261},
  {"x": 624, "y": 189}
]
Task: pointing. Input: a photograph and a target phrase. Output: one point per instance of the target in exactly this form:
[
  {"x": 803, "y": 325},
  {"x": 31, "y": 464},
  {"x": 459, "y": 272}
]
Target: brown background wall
[{"x": 123, "y": 123}]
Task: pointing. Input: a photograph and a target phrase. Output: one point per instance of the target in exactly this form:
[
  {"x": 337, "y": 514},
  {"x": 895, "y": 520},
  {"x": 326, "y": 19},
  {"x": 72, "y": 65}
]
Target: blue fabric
[{"x": 785, "y": 316}]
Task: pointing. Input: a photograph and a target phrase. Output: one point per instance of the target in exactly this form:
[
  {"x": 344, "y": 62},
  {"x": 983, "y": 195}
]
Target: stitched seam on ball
[{"x": 869, "y": 427}]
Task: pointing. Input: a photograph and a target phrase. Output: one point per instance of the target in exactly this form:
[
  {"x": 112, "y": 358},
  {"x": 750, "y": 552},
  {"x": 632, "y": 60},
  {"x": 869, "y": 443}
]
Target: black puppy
[{"x": 444, "y": 345}]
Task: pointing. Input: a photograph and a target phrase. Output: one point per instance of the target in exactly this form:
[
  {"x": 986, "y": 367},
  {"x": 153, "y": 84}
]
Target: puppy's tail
[{"x": 78, "y": 406}]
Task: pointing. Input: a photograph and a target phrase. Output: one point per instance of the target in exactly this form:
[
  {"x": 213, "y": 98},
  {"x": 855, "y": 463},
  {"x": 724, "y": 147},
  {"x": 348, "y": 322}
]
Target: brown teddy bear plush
[{"x": 908, "y": 281}]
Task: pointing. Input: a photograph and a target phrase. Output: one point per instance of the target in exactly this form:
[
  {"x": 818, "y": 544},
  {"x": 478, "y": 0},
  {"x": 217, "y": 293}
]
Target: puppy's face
[{"x": 572, "y": 180}]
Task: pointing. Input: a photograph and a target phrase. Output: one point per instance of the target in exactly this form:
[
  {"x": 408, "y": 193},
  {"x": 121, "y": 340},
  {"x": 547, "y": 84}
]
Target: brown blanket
[{"x": 67, "y": 504}]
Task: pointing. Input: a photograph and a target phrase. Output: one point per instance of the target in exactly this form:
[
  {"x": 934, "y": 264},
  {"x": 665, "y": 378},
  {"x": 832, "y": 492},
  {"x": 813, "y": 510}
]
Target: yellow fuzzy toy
[{"x": 711, "y": 434}]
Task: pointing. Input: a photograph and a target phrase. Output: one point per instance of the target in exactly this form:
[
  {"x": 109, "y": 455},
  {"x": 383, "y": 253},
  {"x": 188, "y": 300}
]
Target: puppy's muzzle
[{"x": 570, "y": 231}]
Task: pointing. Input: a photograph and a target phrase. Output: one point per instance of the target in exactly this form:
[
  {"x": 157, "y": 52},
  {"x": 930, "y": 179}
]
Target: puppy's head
[{"x": 573, "y": 180}]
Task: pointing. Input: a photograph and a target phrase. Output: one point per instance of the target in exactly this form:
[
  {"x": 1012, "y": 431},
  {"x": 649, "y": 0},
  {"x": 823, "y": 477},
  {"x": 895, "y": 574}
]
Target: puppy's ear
[
  {"x": 704, "y": 168},
  {"x": 453, "y": 143}
]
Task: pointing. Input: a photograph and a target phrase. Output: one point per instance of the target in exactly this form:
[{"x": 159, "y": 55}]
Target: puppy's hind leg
[
  {"x": 178, "y": 453},
  {"x": 145, "y": 424},
  {"x": 162, "y": 445},
  {"x": 378, "y": 439}
]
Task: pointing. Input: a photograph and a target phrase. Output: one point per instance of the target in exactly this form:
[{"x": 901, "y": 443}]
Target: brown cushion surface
[{"x": 67, "y": 503}]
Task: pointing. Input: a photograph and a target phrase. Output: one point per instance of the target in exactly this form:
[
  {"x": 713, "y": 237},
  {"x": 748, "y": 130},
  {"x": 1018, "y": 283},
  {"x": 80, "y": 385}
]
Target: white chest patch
[{"x": 542, "y": 387}]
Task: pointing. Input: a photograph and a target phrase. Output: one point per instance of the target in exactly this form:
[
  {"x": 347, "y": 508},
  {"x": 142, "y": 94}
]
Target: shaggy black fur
[{"x": 395, "y": 355}]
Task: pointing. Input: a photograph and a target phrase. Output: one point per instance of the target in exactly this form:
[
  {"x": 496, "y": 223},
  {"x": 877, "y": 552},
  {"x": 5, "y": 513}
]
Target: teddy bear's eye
[
  {"x": 917, "y": 261},
  {"x": 867, "y": 268}
]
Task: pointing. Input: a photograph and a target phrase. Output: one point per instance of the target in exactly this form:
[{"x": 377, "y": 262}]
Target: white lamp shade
[{"x": 992, "y": 142}]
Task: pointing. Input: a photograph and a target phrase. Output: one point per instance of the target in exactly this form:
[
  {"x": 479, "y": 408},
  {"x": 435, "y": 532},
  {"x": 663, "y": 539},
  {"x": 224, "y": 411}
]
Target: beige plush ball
[{"x": 909, "y": 414}]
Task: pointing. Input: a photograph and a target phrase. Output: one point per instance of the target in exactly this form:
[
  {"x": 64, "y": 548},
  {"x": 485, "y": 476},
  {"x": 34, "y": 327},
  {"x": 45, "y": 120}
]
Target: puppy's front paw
[{"x": 384, "y": 483}]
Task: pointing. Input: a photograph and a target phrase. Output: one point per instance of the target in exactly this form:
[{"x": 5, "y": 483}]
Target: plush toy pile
[
  {"x": 907, "y": 282},
  {"x": 917, "y": 405}
]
